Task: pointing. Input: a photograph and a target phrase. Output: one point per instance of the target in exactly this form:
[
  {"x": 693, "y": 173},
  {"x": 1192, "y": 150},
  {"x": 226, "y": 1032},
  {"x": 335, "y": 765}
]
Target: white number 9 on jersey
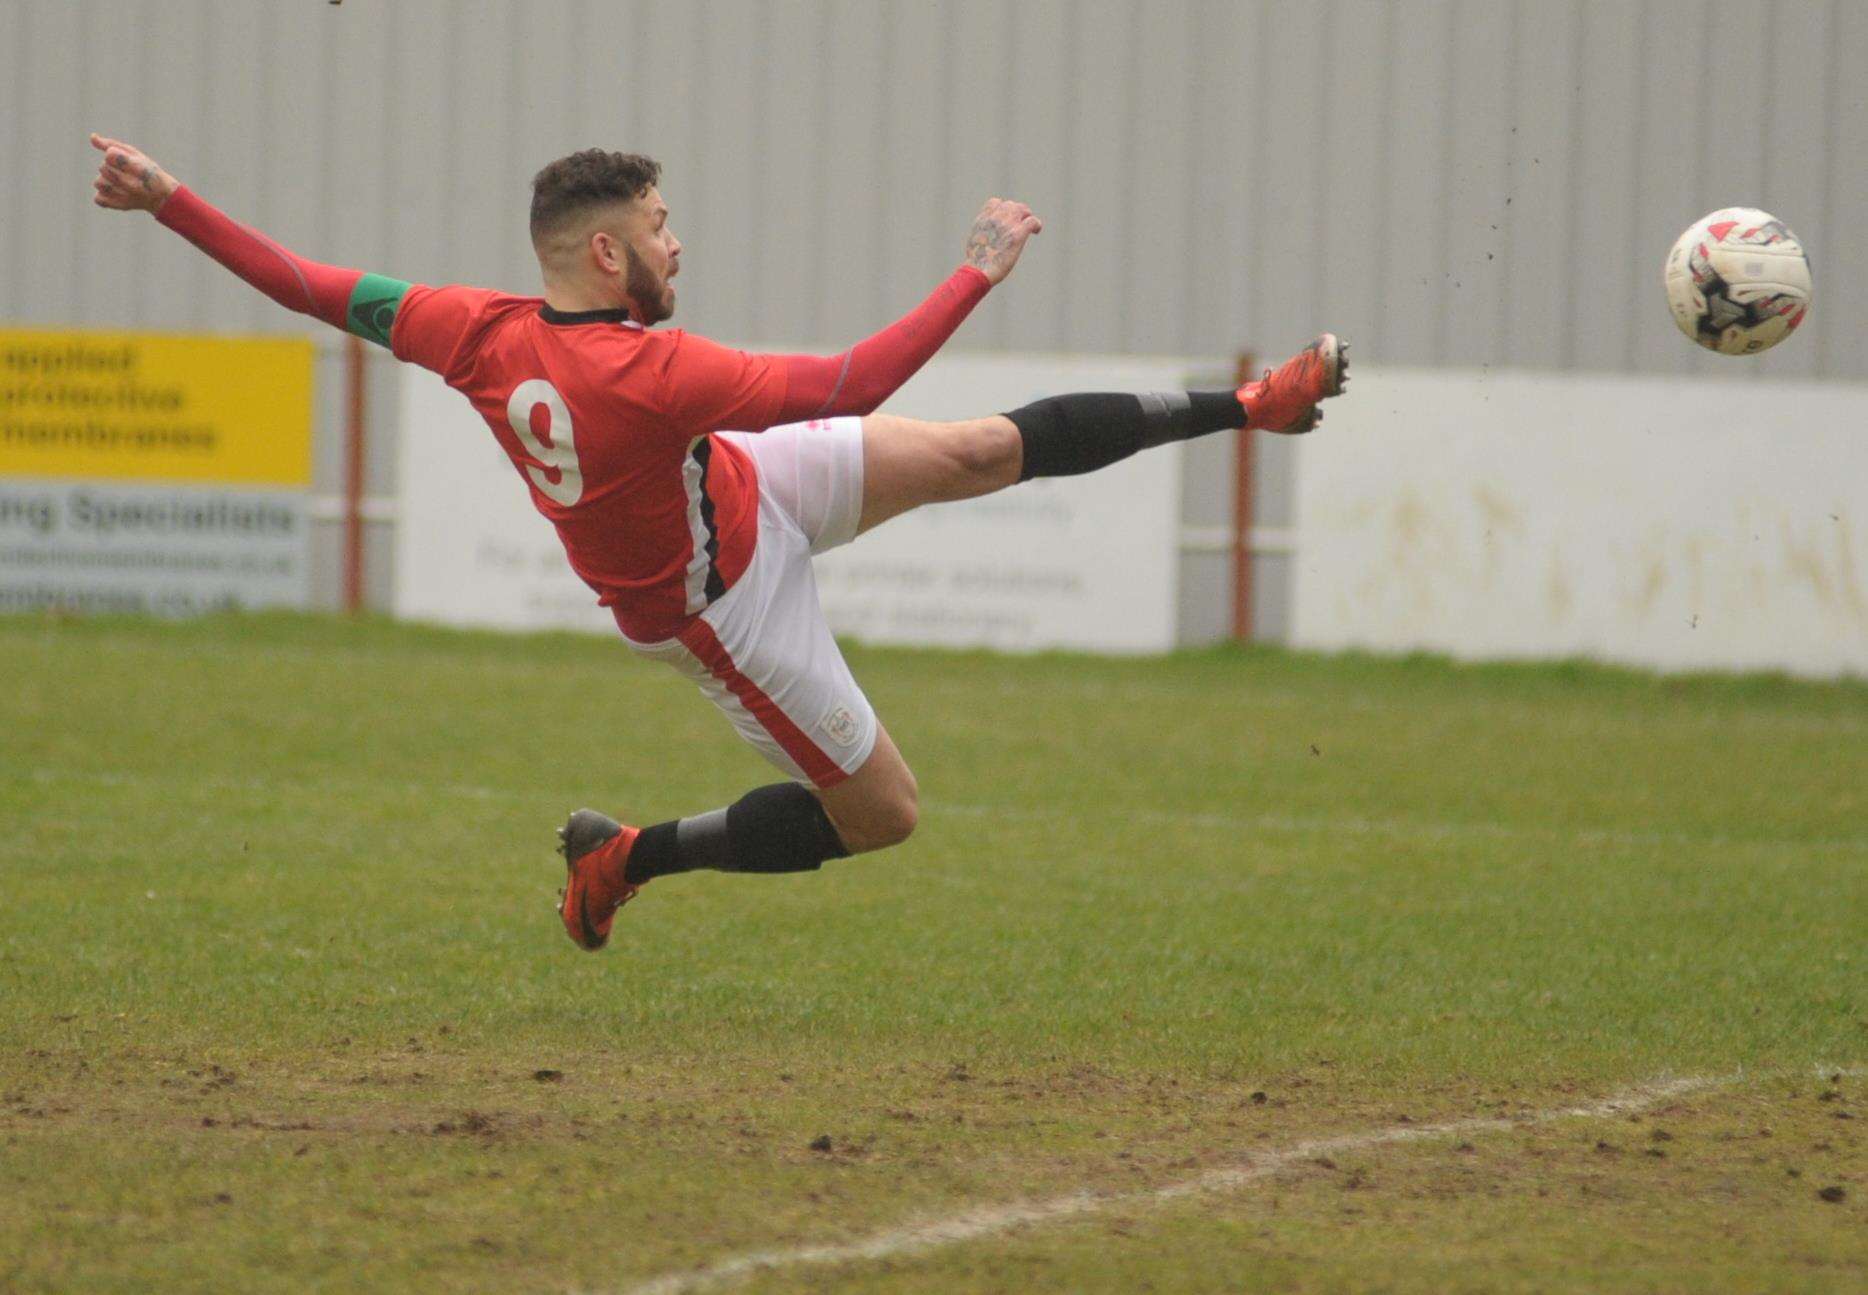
[{"x": 559, "y": 455}]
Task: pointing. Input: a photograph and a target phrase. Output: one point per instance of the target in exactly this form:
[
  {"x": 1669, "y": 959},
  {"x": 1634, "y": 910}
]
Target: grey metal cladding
[{"x": 1448, "y": 181}]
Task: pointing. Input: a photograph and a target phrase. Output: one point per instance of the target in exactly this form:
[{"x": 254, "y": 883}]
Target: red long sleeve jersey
[{"x": 609, "y": 425}]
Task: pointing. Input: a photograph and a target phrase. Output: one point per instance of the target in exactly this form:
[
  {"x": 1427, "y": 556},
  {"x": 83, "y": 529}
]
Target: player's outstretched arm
[
  {"x": 364, "y": 304},
  {"x": 707, "y": 387},
  {"x": 861, "y": 378}
]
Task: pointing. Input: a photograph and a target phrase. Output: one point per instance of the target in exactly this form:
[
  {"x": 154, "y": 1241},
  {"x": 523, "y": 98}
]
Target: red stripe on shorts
[{"x": 698, "y": 637}]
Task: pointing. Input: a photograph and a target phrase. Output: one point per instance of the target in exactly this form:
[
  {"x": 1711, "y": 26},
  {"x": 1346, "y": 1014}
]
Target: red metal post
[
  {"x": 1244, "y": 442},
  {"x": 354, "y": 393}
]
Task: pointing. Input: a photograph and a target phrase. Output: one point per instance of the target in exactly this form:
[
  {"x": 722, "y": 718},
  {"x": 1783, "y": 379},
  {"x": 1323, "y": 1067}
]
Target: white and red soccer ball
[{"x": 1738, "y": 281}]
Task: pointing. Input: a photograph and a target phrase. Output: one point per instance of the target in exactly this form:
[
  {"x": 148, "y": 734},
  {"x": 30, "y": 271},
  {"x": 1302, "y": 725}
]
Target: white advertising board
[
  {"x": 1087, "y": 562},
  {"x": 100, "y": 546},
  {"x": 1661, "y": 522}
]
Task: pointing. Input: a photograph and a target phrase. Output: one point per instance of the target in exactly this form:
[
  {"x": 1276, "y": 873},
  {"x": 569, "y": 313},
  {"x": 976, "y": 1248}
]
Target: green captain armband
[{"x": 372, "y": 308}]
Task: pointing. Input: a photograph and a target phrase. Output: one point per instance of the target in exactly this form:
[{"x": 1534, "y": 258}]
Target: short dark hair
[{"x": 573, "y": 185}]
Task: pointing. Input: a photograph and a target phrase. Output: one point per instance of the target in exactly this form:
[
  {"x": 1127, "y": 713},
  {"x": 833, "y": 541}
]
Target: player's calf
[
  {"x": 1068, "y": 435},
  {"x": 781, "y": 828}
]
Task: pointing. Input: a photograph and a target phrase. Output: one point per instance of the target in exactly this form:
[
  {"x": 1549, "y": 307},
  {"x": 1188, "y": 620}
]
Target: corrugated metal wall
[{"x": 1444, "y": 181}]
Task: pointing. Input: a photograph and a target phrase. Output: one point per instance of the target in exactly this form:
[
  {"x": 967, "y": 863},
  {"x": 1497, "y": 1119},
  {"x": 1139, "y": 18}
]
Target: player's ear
[{"x": 603, "y": 247}]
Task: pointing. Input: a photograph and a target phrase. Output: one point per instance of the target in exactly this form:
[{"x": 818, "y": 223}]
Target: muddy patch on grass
[{"x": 1073, "y": 1126}]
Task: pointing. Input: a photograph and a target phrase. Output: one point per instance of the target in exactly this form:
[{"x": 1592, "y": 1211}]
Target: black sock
[
  {"x": 1068, "y": 435},
  {"x": 781, "y": 828}
]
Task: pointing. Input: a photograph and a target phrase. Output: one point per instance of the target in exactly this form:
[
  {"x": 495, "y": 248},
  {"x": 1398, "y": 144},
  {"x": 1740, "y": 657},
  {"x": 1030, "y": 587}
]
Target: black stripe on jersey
[{"x": 703, "y": 455}]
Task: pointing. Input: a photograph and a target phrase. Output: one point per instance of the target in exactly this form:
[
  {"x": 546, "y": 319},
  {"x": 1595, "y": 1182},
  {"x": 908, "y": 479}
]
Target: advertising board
[
  {"x": 153, "y": 472},
  {"x": 1714, "y": 524}
]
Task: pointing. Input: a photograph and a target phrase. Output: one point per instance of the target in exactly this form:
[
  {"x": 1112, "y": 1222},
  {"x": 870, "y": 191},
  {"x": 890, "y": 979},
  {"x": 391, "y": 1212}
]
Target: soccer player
[{"x": 691, "y": 484}]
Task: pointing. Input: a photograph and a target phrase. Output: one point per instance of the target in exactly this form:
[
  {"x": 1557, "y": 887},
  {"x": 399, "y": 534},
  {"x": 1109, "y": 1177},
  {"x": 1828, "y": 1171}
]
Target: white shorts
[{"x": 762, "y": 653}]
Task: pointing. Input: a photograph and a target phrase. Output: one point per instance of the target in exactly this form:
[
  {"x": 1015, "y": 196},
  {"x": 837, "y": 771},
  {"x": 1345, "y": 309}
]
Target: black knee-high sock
[
  {"x": 781, "y": 828},
  {"x": 1068, "y": 435}
]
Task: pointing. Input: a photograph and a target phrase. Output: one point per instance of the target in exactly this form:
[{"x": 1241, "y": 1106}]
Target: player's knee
[
  {"x": 886, "y": 817},
  {"x": 906, "y": 818},
  {"x": 897, "y": 815},
  {"x": 985, "y": 452},
  {"x": 897, "y": 827}
]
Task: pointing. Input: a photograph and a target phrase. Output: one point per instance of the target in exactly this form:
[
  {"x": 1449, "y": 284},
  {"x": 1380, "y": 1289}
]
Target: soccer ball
[{"x": 1738, "y": 281}]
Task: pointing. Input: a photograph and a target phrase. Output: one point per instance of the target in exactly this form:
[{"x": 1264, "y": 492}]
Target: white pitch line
[
  {"x": 1429, "y": 829},
  {"x": 991, "y": 1220},
  {"x": 1586, "y": 837}
]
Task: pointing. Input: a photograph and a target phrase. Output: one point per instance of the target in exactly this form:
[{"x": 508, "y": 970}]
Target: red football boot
[
  {"x": 1285, "y": 399},
  {"x": 596, "y": 852}
]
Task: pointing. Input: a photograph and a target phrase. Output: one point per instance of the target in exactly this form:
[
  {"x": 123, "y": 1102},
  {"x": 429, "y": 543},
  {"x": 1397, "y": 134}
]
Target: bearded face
[{"x": 652, "y": 295}]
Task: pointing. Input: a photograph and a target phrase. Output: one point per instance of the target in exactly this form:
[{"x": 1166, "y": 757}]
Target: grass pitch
[{"x": 284, "y": 1004}]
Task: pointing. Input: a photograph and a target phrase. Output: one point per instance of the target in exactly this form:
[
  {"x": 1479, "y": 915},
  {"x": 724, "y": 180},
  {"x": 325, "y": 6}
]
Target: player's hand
[
  {"x": 127, "y": 179},
  {"x": 998, "y": 236}
]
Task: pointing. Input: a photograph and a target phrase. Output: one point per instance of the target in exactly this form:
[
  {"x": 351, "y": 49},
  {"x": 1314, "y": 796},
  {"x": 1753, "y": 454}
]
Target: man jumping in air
[{"x": 697, "y": 538}]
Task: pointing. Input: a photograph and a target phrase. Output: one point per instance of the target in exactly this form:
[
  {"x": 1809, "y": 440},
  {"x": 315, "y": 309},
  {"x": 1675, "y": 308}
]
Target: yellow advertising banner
[{"x": 155, "y": 407}]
